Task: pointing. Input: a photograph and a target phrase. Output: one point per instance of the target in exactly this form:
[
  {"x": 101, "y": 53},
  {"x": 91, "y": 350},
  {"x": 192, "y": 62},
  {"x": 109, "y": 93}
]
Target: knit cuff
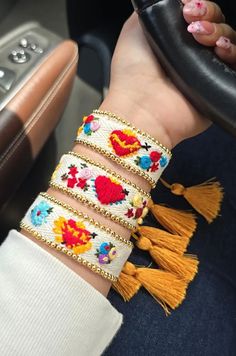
[{"x": 46, "y": 308}]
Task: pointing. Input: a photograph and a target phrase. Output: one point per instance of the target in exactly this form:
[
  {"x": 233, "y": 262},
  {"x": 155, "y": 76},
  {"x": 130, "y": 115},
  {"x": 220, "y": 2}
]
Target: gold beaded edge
[
  {"x": 92, "y": 205},
  {"x": 109, "y": 171},
  {"x": 87, "y": 218},
  {"x": 117, "y": 160},
  {"x": 64, "y": 250},
  {"x": 140, "y": 132}
]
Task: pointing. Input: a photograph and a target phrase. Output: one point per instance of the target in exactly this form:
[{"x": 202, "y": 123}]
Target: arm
[
  {"x": 141, "y": 93},
  {"x": 138, "y": 86}
]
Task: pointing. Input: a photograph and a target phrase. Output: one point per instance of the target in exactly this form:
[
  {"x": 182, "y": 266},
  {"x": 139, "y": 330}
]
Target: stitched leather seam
[{"x": 39, "y": 110}]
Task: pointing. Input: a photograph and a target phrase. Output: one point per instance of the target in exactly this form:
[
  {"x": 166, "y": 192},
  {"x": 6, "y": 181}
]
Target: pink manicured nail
[
  {"x": 201, "y": 28},
  {"x": 185, "y": 1},
  {"x": 195, "y": 8},
  {"x": 224, "y": 42}
]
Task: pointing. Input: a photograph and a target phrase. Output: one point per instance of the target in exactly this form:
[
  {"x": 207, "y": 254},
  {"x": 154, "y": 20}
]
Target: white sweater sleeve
[{"x": 47, "y": 309}]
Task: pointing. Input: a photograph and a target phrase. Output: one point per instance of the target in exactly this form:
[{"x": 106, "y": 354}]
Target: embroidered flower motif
[
  {"x": 88, "y": 119},
  {"x": 73, "y": 234},
  {"x": 130, "y": 213},
  {"x": 137, "y": 200},
  {"x": 85, "y": 173},
  {"x": 163, "y": 161},
  {"x": 106, "y": 253},
  {"x": 73, "y": 170},
  {"x": 155, "y": 156},
  {"x": 103, "y": 259},
  {"x": 145, "y": 162},
  {"x": 77, "y": 178},
  {"x": 90, "y": 125},
  {"x": 139, "y": 210},
  {"x": 154, "y": 167},
  {"x": 81, "y": 183},
  {"x": 87, "y": 130},
  {"x": 40, "y": 213},
  {"x": 55, "y": 171},
  {"x": 94, "y": 125},
  {"x": 112, "y": 253},
  {"x": 71, "y": 182},
  {"x": 151, "y": 162},
  {"x": 138, "y": 213}
]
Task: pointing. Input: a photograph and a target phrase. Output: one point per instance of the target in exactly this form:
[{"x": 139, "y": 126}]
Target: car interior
[
  {"x": 30, "y": 31},
  {"x": 44, "y": 95}
]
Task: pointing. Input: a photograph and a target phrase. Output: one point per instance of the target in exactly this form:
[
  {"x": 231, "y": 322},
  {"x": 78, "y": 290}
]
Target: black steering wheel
[{"x": 208, "y": 83}]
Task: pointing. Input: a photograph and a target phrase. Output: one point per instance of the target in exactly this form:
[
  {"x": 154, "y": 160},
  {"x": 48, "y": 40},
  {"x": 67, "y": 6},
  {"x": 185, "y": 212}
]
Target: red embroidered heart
[
  {"x": 107, "y": 191},
  {"x": 124, "y": 142}
]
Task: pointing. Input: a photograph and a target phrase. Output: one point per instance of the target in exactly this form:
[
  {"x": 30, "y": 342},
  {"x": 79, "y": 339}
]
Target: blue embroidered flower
[
  {"x": 145, "y": 162},
  {"x": 87, "y": 129},
  {"x": 40, "y": 213},
  {"x": 163, "y": 161},
  {"x": 106, "y": 253},
  {"x": 104, "y": 248}
]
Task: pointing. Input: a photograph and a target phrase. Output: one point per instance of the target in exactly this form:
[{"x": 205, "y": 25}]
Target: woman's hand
[
  {"x": 141, "y": 92},
  {"x": 207, "y": 25}
]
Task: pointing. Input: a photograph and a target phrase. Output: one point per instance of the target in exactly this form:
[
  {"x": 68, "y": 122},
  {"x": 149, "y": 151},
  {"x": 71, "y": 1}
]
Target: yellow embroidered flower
[
  {"x": 55, "y": 171},
  {"x": 80, "y": 129},
  {"x": 137, "y": 201},
  {"x": 145, "y": 212}
]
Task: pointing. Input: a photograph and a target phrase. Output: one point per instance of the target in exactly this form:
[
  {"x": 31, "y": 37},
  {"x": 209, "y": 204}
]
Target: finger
[
  {"x": 226, "y": 51},
  {"x": 195, "y": 10},
  {"x": 208, "y": 33}
]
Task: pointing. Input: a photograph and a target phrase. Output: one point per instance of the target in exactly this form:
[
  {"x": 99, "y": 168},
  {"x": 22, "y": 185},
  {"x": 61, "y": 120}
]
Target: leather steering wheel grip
[{"x": 208, "y": 83}]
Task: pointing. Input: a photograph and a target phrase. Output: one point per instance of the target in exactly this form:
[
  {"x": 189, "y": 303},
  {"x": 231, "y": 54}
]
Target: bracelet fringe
[{"x": 205, "y": 198}]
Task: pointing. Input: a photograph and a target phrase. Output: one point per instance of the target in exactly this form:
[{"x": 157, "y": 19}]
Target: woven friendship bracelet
[
  {"x": 126, "y": 145},
  {"x": 101, "y": 189},
  {"x": 77, "y": 235}
]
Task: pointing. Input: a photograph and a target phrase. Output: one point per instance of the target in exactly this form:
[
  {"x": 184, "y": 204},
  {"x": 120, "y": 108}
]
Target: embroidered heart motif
[
  {"x": 107, "y": 191},
  {"x": 124, "y": 142}
]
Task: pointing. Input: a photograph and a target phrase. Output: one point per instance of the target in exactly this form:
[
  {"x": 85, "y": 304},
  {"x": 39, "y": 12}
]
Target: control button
[
  {"x": 38, "y": 50},
  {"x": 35, "y": 48},
  {"x": 19, "y": 56},
  {"x": 7, "y": 78},
  {"x": 24, "y": 43}
]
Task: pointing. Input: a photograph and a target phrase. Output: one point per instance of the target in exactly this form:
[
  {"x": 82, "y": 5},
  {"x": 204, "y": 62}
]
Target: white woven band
[{"x": 77, "y": 235}]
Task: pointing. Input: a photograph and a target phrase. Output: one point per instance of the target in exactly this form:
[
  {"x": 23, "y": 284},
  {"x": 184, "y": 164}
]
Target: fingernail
[
  {"x": 224, "y": 42},
  {"x": 195, "y": 8},
  {"x": 185, "y": 1},
  {"x": 201, "y": 27}
]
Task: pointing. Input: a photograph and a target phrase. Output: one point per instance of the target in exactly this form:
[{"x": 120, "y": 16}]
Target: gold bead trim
[
  {"x": 117, "y": 160},
  {"x": 140, "y": 132},
  {"x": 87, "y": 218},
  {"x": 79, "y": 259},
  {"x": 109, "y": 171},
  {"x": 92, "y": 205}
]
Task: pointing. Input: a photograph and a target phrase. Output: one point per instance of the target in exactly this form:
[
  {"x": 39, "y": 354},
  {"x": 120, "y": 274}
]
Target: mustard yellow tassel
[
  {"x": 185, "y": 266},
  {"x": 127, "y": 286},
  {"x": 176, "y": 221},
  {"x": 165, "y": 287},
  {"x": 205, "y": 198},
  {"x": 175, "y": 243}
]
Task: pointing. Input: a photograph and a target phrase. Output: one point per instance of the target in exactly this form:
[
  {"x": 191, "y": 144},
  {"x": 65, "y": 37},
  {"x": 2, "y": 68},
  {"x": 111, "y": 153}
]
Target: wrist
[{"x": 139, "y": 115}]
